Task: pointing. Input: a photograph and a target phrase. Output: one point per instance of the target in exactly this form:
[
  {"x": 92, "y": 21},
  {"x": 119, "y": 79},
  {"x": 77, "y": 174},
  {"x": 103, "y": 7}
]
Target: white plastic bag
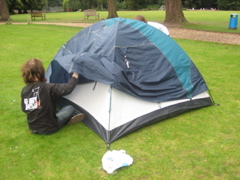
[{"x": 113, "y": 160}]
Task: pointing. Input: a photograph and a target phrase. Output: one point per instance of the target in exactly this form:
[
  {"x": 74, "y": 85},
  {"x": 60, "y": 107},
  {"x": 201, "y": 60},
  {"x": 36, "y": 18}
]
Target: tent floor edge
[
  {"x": 138, "y": 123},
  {"x": 159, "y": 115}
]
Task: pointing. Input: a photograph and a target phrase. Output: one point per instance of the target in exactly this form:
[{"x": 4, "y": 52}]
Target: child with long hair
[{"x": 39, "y": 100}]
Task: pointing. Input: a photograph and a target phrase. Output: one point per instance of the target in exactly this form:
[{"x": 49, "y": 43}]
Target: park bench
[
  {"x": 90, "y": 12},
  {"x": 37, "y": 14}
]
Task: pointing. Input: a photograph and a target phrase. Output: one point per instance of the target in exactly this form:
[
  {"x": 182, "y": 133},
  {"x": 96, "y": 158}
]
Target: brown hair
[
  {"x": 140, "y": 18},
  {"x": 33, "y": 71}
]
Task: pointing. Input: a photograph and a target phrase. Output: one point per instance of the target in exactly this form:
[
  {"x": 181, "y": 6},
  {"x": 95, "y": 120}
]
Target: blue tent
[{"x": 124, "y": 59}]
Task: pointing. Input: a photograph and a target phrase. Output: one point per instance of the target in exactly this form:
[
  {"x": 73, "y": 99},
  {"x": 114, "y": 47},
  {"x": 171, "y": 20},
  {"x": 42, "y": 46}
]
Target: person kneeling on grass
[{"x": 39, "y": 100}]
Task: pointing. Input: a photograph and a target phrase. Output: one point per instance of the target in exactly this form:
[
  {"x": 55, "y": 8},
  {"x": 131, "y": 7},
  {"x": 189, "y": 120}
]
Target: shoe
[{"x": 77, "y": 118}]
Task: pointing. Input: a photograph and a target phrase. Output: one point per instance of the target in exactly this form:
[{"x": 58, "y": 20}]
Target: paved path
[{"x": 228, "y": 38}]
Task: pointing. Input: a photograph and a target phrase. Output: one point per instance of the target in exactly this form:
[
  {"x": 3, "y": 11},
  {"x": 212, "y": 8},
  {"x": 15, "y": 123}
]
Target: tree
[
  {"x": 101, "y": 4},
  {"x": 174, "y": 13},
  {"x": 70, "y": 5},
  {"x": 4, "y": 13},
  {"x": 112, "y": 13},
  {"x": 33, "y": 4},
  {"x": 52, "y": 3},
  {"x": 228, "y": 4},
  {"x": 24, "y": 5},
  {"x": 197, "y": 4}
]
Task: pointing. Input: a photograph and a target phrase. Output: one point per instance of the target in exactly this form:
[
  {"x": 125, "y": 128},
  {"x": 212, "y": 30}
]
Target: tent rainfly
[{"x": 131, "y": 75}]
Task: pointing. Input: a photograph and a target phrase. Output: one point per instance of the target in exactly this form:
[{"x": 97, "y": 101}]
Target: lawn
[
  {"x": 203, "y": 20},
  {"x": 201, "y": 144}
]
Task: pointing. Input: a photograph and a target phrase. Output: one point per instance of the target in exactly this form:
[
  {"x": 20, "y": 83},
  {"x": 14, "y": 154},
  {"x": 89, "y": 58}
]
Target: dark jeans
[{"x": 63, "y": 116}]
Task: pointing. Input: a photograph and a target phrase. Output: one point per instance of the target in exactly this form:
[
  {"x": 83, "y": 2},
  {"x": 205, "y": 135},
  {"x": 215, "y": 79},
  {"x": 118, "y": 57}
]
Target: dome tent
[{"x": 132, "y": 75}]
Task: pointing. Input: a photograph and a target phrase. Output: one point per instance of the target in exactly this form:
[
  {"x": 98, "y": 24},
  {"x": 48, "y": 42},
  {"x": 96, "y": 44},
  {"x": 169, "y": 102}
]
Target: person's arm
[{"x": 67, "y": 88}]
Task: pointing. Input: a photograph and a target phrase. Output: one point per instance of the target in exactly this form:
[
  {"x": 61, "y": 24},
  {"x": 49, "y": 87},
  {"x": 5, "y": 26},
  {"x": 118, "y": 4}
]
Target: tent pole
[
  {"x": 212, "y": 98},
  {"x": 109, "y": 118},
  {"x": 108, "y": 147}
]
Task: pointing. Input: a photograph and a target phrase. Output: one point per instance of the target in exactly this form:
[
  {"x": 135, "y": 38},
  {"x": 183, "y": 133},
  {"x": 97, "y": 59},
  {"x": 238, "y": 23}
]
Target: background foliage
[{"x": 75, "y": 5}]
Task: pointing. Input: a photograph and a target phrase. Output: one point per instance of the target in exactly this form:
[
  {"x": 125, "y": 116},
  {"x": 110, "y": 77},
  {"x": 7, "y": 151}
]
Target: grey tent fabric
[
  {"x": 131, "y": 75},
  {"x": 127, "y": 55}
]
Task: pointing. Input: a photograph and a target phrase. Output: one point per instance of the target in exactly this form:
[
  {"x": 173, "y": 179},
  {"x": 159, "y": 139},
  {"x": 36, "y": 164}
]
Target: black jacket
[{"x": 39, "y": 103}]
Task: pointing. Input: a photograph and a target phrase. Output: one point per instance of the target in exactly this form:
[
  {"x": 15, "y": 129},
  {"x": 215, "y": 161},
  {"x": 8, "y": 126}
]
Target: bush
[{"x": 153, "y": 7}]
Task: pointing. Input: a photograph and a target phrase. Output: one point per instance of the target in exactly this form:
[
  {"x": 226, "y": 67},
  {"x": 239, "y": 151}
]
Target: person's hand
[{"x": 75, "y": 74}]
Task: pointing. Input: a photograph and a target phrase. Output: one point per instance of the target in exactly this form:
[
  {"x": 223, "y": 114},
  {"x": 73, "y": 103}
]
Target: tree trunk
[
  {"x": 4, "y": 13},
  {"x": 101, "y": 5},
  {"x": 174, "y": 13},
  {"x": 112, "y": 13}
]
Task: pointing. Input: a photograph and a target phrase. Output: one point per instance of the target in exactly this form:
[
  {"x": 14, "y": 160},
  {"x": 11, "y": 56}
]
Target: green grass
[
  {"x": 202, "y": 20},
  {"x": 201, "y": 144},
  {"x": 209, "y": 20}
]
